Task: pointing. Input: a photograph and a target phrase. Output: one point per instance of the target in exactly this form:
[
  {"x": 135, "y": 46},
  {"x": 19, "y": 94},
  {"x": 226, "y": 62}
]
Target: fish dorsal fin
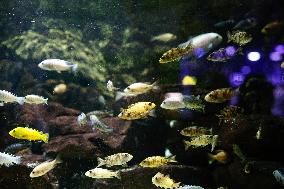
[{"x": 184, "y": 45}]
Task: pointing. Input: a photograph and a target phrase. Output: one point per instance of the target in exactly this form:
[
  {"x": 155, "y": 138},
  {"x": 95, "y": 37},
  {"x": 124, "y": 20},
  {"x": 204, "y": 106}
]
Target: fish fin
[
  {"x": 101, "y": 162},
  {"x": 186, "y": 146},
  {"x": 177, "y": 184},
  {"x": 172, "y": 159},
  {"x": 17, "y": 160},
  {"x": 183, "y": 45},
  {"x": 155, "y": 85},
  {"x": 214, "y": 142},
  {"x": 45, "y": 137},
  {"x": 117, "y": 175},
  {"x": 240, "y": 51},
  {"x": 1, "y": 103},
  {"x": 229, "y": 36},
  {"x": 211, "y": 158},
  {"x": 211, "y": 131},
  {"x": 58, "y": 159},
  {"x": 119, "y": 95},
  {"x": 58, "y": 71},
  {"x": 152, "y": 113},
  {"x": 20, "y": 100},
  {"x": 74, "y": 67}
]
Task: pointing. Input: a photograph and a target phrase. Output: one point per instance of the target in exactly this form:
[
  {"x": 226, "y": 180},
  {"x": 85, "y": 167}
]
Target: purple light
[
  {"x": 253, "y": 56},
  {"x": 230, "y": 50},
  {"x": 275, "y": 56},
  {"x": 236, "y": 79},
  {"x": 245, "y": 70},
  {"x": 279, "y": 49},
  {"x": 199, "y": 52}
]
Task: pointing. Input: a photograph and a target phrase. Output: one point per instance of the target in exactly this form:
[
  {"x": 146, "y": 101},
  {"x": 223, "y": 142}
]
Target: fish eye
[
  {"x": 128, "y": 88},
  {"x": 14, "y": 131},
  {"x": 90, "y": 171},
  {"x": 33, "y": 172},
  {"x": 150, "y": 104}
]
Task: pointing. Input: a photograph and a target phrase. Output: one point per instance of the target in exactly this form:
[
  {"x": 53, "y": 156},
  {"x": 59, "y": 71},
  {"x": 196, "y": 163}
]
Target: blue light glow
[
  {"x": 245, "y": 70},
  {"x": 279, "y": 49},
  {"x": 275, "y": 56}
]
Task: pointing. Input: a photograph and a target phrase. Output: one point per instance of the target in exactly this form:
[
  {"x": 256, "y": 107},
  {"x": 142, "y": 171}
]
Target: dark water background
[{"x": 111, "y": 40}]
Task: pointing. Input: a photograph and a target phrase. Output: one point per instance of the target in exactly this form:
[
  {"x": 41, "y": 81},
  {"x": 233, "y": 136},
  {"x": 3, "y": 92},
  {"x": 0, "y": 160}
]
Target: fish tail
[
  {"x": 211, "y": 158},
  {"x": 20, "y": 100},
  {"x": 17, "y": 160},
  {"x": 214, "y": 142},
  {"x": 240, "y": 51},
  {"x": 45, "y": 137},
  {"x": 119, "y": 95},
  {"x": 117, "y": 174},
  {"x": 74, "y": 67},
  {"x": 45, "y": 101},
  {"x": 211, "y": 131},
  {"x": 155, "y": 85},
  {"x": 229, "y": 36},
  {"x": 176, "y": 185},
  {"x": 1, "y": 104},
  {"x": 101, "y": 162},
  {"x": 58, "y": 159},
  {"x": 186, "y": 145},
  {"x": 172, "y": 159}
]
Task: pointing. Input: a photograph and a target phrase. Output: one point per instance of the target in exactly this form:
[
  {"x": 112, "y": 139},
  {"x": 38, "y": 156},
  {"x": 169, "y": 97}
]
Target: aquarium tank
[{"x": 129, "y": 94}]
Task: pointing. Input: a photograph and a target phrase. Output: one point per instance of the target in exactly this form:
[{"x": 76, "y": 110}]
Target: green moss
[{"x": 64, "y": 44}]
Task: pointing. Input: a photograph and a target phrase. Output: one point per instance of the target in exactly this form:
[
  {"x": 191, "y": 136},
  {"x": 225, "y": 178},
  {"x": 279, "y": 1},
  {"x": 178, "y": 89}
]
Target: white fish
[
  {"x": 7, "y": 159},
  {"x": 279, "y": 177},
  {"x": 35, "y": 99},
  {"x": 100, "y": 173},
  {"x": 173, "y": 103},
  {"x": 8, "y": 97},
  {"x": 96, "y": 123},
  {"x": 140, "y": 88},
  {"x": 203, "y": 43},
  {"x": 44, "y": 167},
  {"x": 165, "y": 37},
  {"x": 57, "y": 65},
  {"x": 110, "y": 86},
  {"x": 82, "y": 119}
]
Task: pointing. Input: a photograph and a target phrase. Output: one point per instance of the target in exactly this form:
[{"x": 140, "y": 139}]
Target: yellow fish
[
  {"x": 45, "y": 167},
  {"x": 138, "y": 110},
  {"x": 28, "y": 134},
  {"x": 140, "y": 88},
  {"x": 164, "y": 181},
  {"x": 202, "y": 141},
  {"x": 115, "y": 159},
  {"x": 189, "y": 80},
  {"x": 220, "y": 95},
  {"x": 156, "y": 161},
  {"x": 175, "y": 53},
  {"x": 195, "y": 131},
  {"x": 221, "y": 157}
]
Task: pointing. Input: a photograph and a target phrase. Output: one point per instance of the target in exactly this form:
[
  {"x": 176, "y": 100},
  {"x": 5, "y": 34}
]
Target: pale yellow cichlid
[
  {"x": 138, "y": 110},
  {"x": 164, "y": 181},
  {"x": 44, "y": 167},
  {"x": 157, "y": 161}
]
